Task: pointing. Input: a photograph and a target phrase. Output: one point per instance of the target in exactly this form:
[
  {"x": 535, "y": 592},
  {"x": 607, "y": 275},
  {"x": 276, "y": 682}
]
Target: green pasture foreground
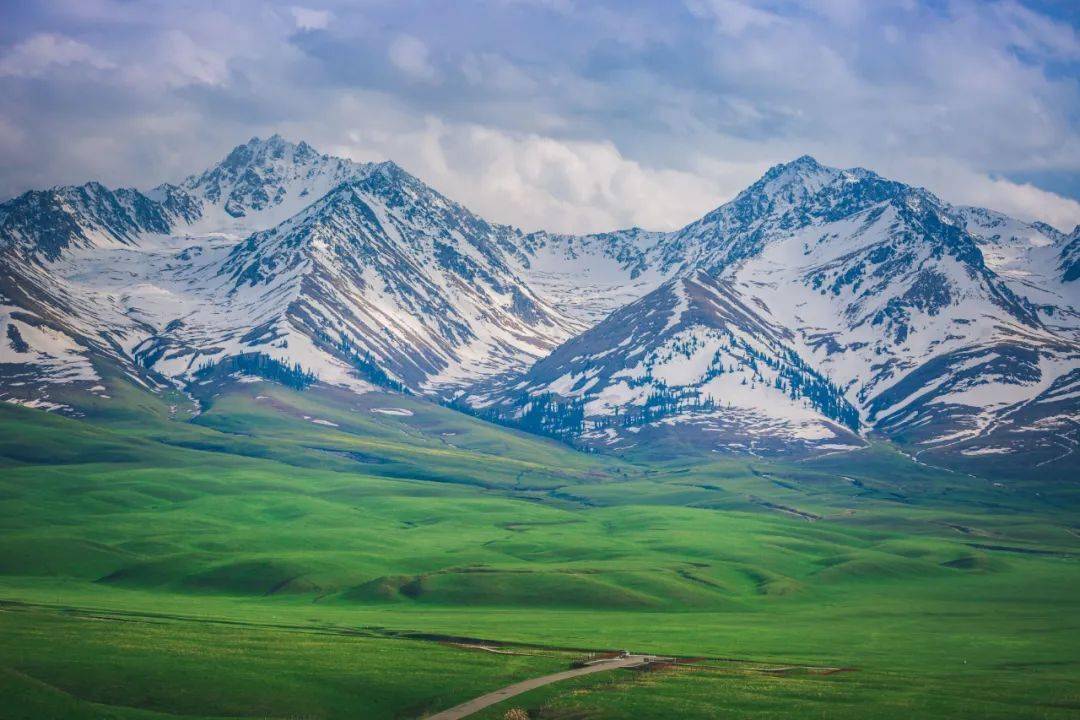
[{"x": 253, "y": 562}]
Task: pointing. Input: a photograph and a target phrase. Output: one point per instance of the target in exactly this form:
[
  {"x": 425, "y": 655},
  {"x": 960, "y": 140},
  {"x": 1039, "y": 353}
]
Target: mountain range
[{"x": 819, "y": 310}]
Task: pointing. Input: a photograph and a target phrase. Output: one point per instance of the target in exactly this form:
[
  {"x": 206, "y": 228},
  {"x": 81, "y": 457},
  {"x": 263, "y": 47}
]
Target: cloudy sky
[{"x": 562, "y": 114}]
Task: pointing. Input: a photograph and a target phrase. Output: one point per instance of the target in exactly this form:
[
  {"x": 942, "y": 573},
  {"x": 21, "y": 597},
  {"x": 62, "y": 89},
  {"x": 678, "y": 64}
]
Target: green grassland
[{"x": 287, "y": 554}]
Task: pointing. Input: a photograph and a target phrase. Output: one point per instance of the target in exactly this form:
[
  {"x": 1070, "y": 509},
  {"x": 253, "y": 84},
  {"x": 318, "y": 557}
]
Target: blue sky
[{"x": 560, "y": 114}]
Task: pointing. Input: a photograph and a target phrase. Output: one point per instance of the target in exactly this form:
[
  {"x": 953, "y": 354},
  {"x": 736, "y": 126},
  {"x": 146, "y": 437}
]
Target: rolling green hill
[{"x": 311, "y": 554}]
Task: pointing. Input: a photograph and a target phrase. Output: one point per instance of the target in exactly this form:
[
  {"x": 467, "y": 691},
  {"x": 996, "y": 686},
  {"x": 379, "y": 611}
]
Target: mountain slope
[
  {"x": 935, "y": 321},
  {"x": 691, "y": 359},
  {"x": 373, "y": 276},
  {"x": 1069, "y": 257},
  {"x": 384, "y": 270},
  {"x": 41, "y": 225}
]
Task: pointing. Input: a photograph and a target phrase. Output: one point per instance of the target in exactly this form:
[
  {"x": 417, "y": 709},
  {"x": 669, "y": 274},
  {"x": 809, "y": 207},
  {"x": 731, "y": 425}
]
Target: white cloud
[
  {"x": 410, "y": 55},
  {"x": 310, "y": 19},
  {"x": 12, "y": 139},
  {"x": 733, "y": 17},
  {"x": 539, "y": 182},
  {"x": 41, "y": 53},
  {"x": 1021, "y": 200},
  {"x": 1024, "y": 201},
  {"x": 187, "y": 62},
  {"x": 551, "y": 113}
]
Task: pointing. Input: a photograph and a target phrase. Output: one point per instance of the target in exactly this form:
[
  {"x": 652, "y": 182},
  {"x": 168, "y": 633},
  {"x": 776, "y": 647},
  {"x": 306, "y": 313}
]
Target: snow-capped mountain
[
  {"x": 258, "y": 185},
  {"x": 381, "y": 271},
  {"x": 356, "y": 272},
  {"x": 42, "y": 225},
  {"x": 690, "y": 360},
  {"x": 99, "y": 270},
  {"x": 935, "y": 322},
  {"x": 818, "y": 307}
]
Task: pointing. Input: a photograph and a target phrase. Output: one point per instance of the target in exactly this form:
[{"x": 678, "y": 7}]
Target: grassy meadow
[{"x": 324, "y": 555}]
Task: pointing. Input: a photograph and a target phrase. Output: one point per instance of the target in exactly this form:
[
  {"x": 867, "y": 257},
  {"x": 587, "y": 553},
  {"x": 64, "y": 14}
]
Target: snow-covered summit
[{"x": 263, "y": 182}]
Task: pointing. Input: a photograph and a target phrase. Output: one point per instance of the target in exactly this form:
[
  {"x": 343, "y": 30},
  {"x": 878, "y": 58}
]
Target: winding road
[{"x": 476, "y": 704}]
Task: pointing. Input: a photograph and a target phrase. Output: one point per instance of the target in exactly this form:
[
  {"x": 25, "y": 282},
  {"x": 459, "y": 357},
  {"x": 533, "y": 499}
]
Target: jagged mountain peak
[
  {"x": 264, "y": 157},
  {"x": 791, "y": 183},
  {"x": 389, "y": 177},
  {"x": 787, "y": 199},
  {"x": 44, "y": 224},
  {"x": 259, "y": 184},
  {"x": 262, "y": 182},
  {"x": 257, "y": 150},
  {"x": 1050, "y": 231},
  {"x": 799, "y": 169},
  {"x": 804, "y": 161},
  {"x": 797, "y": 179},
  {"x": 391, "y": 169}
]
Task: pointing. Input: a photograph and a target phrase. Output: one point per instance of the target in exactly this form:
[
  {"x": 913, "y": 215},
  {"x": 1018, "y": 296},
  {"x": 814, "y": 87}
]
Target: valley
[{"x": 292, "y": 551}]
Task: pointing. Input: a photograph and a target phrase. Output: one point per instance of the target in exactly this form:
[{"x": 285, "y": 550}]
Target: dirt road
[{"x": 477, "y": 704}]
